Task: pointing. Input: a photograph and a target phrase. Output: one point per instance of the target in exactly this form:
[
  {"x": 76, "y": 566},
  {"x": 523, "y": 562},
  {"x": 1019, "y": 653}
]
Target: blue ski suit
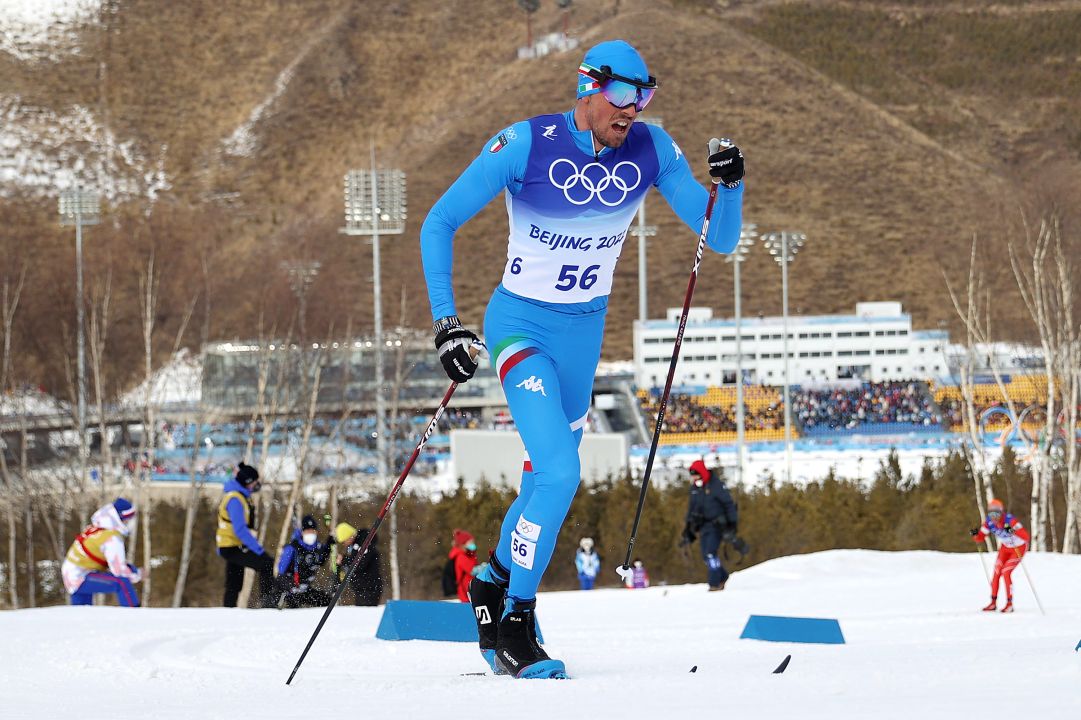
[{"x": 569, "y": 209}]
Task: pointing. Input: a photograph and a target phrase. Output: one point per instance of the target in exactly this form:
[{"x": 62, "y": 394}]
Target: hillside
[{"x": 888, "y": 132}]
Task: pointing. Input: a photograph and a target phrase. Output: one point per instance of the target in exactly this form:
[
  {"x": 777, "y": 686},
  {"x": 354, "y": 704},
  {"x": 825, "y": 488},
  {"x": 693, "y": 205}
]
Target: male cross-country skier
[
  {"x": 573, "y": 182},
  {"x": 1012, "y": 542}
]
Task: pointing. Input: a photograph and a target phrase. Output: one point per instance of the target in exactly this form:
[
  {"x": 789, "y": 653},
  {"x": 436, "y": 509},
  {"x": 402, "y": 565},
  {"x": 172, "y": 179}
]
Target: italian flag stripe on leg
[{"x": 510, "y": 352}]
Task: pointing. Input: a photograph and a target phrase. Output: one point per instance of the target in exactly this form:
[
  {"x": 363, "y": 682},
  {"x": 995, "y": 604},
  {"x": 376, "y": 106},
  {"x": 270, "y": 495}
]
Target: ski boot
[
  {"x": 517, "y": 651},
  {"x": 1009, "y": 606},
  {"x": 992, "y": 606},
  {"x": 487, "y": 592}
]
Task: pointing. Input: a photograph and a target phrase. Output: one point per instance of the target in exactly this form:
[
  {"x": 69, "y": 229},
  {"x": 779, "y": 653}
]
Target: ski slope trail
[{"x": 917, "y": 646}]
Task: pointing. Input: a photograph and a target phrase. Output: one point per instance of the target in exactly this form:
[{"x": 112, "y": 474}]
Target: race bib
[{"x": 523, "y": 542}]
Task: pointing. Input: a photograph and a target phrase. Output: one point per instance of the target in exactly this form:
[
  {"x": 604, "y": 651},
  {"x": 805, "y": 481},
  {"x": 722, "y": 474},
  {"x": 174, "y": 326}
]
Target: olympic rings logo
[
  {"x": 594, "y": 179},
  {"x": 1014, "y": 427}
]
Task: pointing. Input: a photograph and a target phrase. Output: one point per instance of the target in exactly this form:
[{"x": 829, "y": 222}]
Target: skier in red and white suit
[{"x": 1012, "y": 543}]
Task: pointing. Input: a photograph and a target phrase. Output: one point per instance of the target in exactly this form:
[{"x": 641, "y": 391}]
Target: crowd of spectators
[
  {"x": 685, "y": 414},
  {"x": 870, "y": 403}
]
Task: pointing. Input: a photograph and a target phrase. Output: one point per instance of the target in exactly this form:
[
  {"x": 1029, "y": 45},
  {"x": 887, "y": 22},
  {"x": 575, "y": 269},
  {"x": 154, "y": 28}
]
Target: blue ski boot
[
  {"x": 487, "y": 592},
  {"x": 517, "y": 651}
]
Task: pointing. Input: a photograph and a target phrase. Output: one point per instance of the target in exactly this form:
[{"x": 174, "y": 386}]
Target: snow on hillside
[
  {"x": 177, "y": 382},
  {"x": 917, "y": 647},
  {"x": 46, "y": 150},
  {"x": 43, "y": 29}
]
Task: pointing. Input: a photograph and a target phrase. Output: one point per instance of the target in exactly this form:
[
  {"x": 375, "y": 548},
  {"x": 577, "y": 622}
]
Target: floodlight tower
[
  {"x": 747, "y": 235},
  {"x": 375, "y": 205},
  {"x": 643, "y": 231},
  {"x": 784, "y": 246},
  {"x": 80, "y": 207}
]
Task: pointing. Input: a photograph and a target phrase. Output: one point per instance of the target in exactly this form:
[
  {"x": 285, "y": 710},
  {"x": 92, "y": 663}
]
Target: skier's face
[{"x": 610, "y": 125}]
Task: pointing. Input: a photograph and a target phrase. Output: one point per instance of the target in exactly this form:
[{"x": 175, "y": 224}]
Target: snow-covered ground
[{"x": 917, "y": 647}]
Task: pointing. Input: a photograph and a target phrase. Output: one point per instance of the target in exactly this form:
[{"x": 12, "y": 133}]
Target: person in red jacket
[
  {"x": 464, "y": 555},
  {"x": 1012, "y": 543}
]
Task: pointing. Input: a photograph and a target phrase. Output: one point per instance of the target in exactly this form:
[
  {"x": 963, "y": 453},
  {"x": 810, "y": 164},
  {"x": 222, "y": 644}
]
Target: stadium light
[
  {"x": 80, "y": 207},
  {"x": 748, "y": 233},
  {"x": 643, "y": 231},
  {"x": 784, "y": 246},
  {"x": 375, "y": 205}
]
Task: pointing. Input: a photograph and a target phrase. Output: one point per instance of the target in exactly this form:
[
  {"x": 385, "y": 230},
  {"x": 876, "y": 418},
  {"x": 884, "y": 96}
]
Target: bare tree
[
  {"x": 1068, "y": 373},
  {"x": 10, "y": 302},
  {"x": 148, "y": 291},
  {"x": 1035, "y": 281},
  {"x": 195, "y": 483},
  {"x": 304, "y": 449},
  {"x": 975, "y": 333}
]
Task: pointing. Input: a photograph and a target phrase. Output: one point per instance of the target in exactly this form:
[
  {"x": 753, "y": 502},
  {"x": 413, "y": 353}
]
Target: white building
[{"x": 877, "y": 343}]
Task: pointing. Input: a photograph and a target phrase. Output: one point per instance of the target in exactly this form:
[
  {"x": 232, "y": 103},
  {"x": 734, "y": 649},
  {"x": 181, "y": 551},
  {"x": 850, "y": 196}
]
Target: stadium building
[{"x": 876, "y": 344}]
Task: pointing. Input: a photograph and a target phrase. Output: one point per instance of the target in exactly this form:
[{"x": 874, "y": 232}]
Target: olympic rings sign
[
  {"x": 1014, "y": 426},
  {"x": 593, "y": 180}
]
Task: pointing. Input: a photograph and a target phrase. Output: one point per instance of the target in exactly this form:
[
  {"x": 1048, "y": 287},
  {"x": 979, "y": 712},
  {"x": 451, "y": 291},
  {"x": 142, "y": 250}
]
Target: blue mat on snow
[
  {"x": 430, "y": 620},
  {"x": 773, "y": 628}
]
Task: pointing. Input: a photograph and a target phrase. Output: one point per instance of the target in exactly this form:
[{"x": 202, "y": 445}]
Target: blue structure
[
  {"x": 430, "y": 620},
  {"x": 824, "y": 631}
]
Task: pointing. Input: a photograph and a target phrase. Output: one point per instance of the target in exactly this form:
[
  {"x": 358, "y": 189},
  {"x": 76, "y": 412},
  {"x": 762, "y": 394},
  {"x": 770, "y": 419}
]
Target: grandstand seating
[{"x": 1022, "y": 390}]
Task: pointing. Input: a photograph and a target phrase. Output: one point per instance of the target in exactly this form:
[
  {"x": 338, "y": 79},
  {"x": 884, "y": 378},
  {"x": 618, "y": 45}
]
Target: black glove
[
  {"x": 974, "y": 532},
  {"x": 728, "y": 534},
  {"x": 1008, "y": 530},
  {"x": 725, "y": 162},
  {"x": 453, "y": 341},
  {"x": 687, "y": 537}
]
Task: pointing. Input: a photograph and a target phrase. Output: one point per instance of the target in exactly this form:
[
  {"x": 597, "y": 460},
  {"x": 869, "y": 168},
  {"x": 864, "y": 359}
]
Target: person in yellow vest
[
  {"x": 96, "y": 562},
  {"x": 237, "y": 544}
]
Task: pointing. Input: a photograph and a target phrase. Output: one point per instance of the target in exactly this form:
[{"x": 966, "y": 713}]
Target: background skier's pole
[
  {"x": 983, "y": 564},
  {"x": 1029, "y": 578},
  {"x": 624, "y": 570}
]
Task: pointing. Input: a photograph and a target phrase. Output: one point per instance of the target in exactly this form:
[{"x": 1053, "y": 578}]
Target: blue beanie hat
[
  {"x": 618, "y": 55},
  {"x": 124, "y": 508}
]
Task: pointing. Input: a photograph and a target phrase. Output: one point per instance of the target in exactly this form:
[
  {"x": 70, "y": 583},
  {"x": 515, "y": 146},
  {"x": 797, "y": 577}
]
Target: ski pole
[
  {"x": 624, "y": 570},
  {"x": 1029, "y": 578},
  {"x": 983, "y": 564},
  {"x": 378, "y": 520}
]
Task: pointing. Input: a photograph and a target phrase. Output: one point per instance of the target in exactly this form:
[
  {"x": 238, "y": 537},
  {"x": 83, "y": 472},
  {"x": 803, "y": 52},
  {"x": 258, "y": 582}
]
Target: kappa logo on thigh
[{"x": 534, "y": 384}]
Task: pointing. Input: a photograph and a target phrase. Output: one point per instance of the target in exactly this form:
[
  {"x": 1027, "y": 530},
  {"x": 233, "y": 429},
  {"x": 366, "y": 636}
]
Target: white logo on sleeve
[
  {"x": 523, "y": 542},
  {"x": 533, "y": 383},
  {"x": 679, "y": 153}
]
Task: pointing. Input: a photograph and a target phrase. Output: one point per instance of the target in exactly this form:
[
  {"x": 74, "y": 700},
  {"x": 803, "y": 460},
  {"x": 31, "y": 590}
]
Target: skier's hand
[
  {"x": 728, "y": 535},
  {"x": 687, "y": 537},
  {"x": 1008, "y": 530},
  {"x": 725, "y": 162},
  {"x": 454, "y": 342},
  {"x": 974, "y": 532}
]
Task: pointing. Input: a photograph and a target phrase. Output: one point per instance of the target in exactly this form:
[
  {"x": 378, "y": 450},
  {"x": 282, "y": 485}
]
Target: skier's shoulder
[{"x": 510, "y": 142}]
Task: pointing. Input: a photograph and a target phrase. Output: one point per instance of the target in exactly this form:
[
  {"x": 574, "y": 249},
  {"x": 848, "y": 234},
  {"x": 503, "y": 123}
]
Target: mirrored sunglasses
[{"x": 621, "y": 91}]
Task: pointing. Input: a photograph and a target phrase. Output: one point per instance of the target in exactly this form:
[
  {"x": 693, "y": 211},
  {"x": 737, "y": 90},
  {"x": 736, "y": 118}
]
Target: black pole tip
[{"x": 694, "y": 668}]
